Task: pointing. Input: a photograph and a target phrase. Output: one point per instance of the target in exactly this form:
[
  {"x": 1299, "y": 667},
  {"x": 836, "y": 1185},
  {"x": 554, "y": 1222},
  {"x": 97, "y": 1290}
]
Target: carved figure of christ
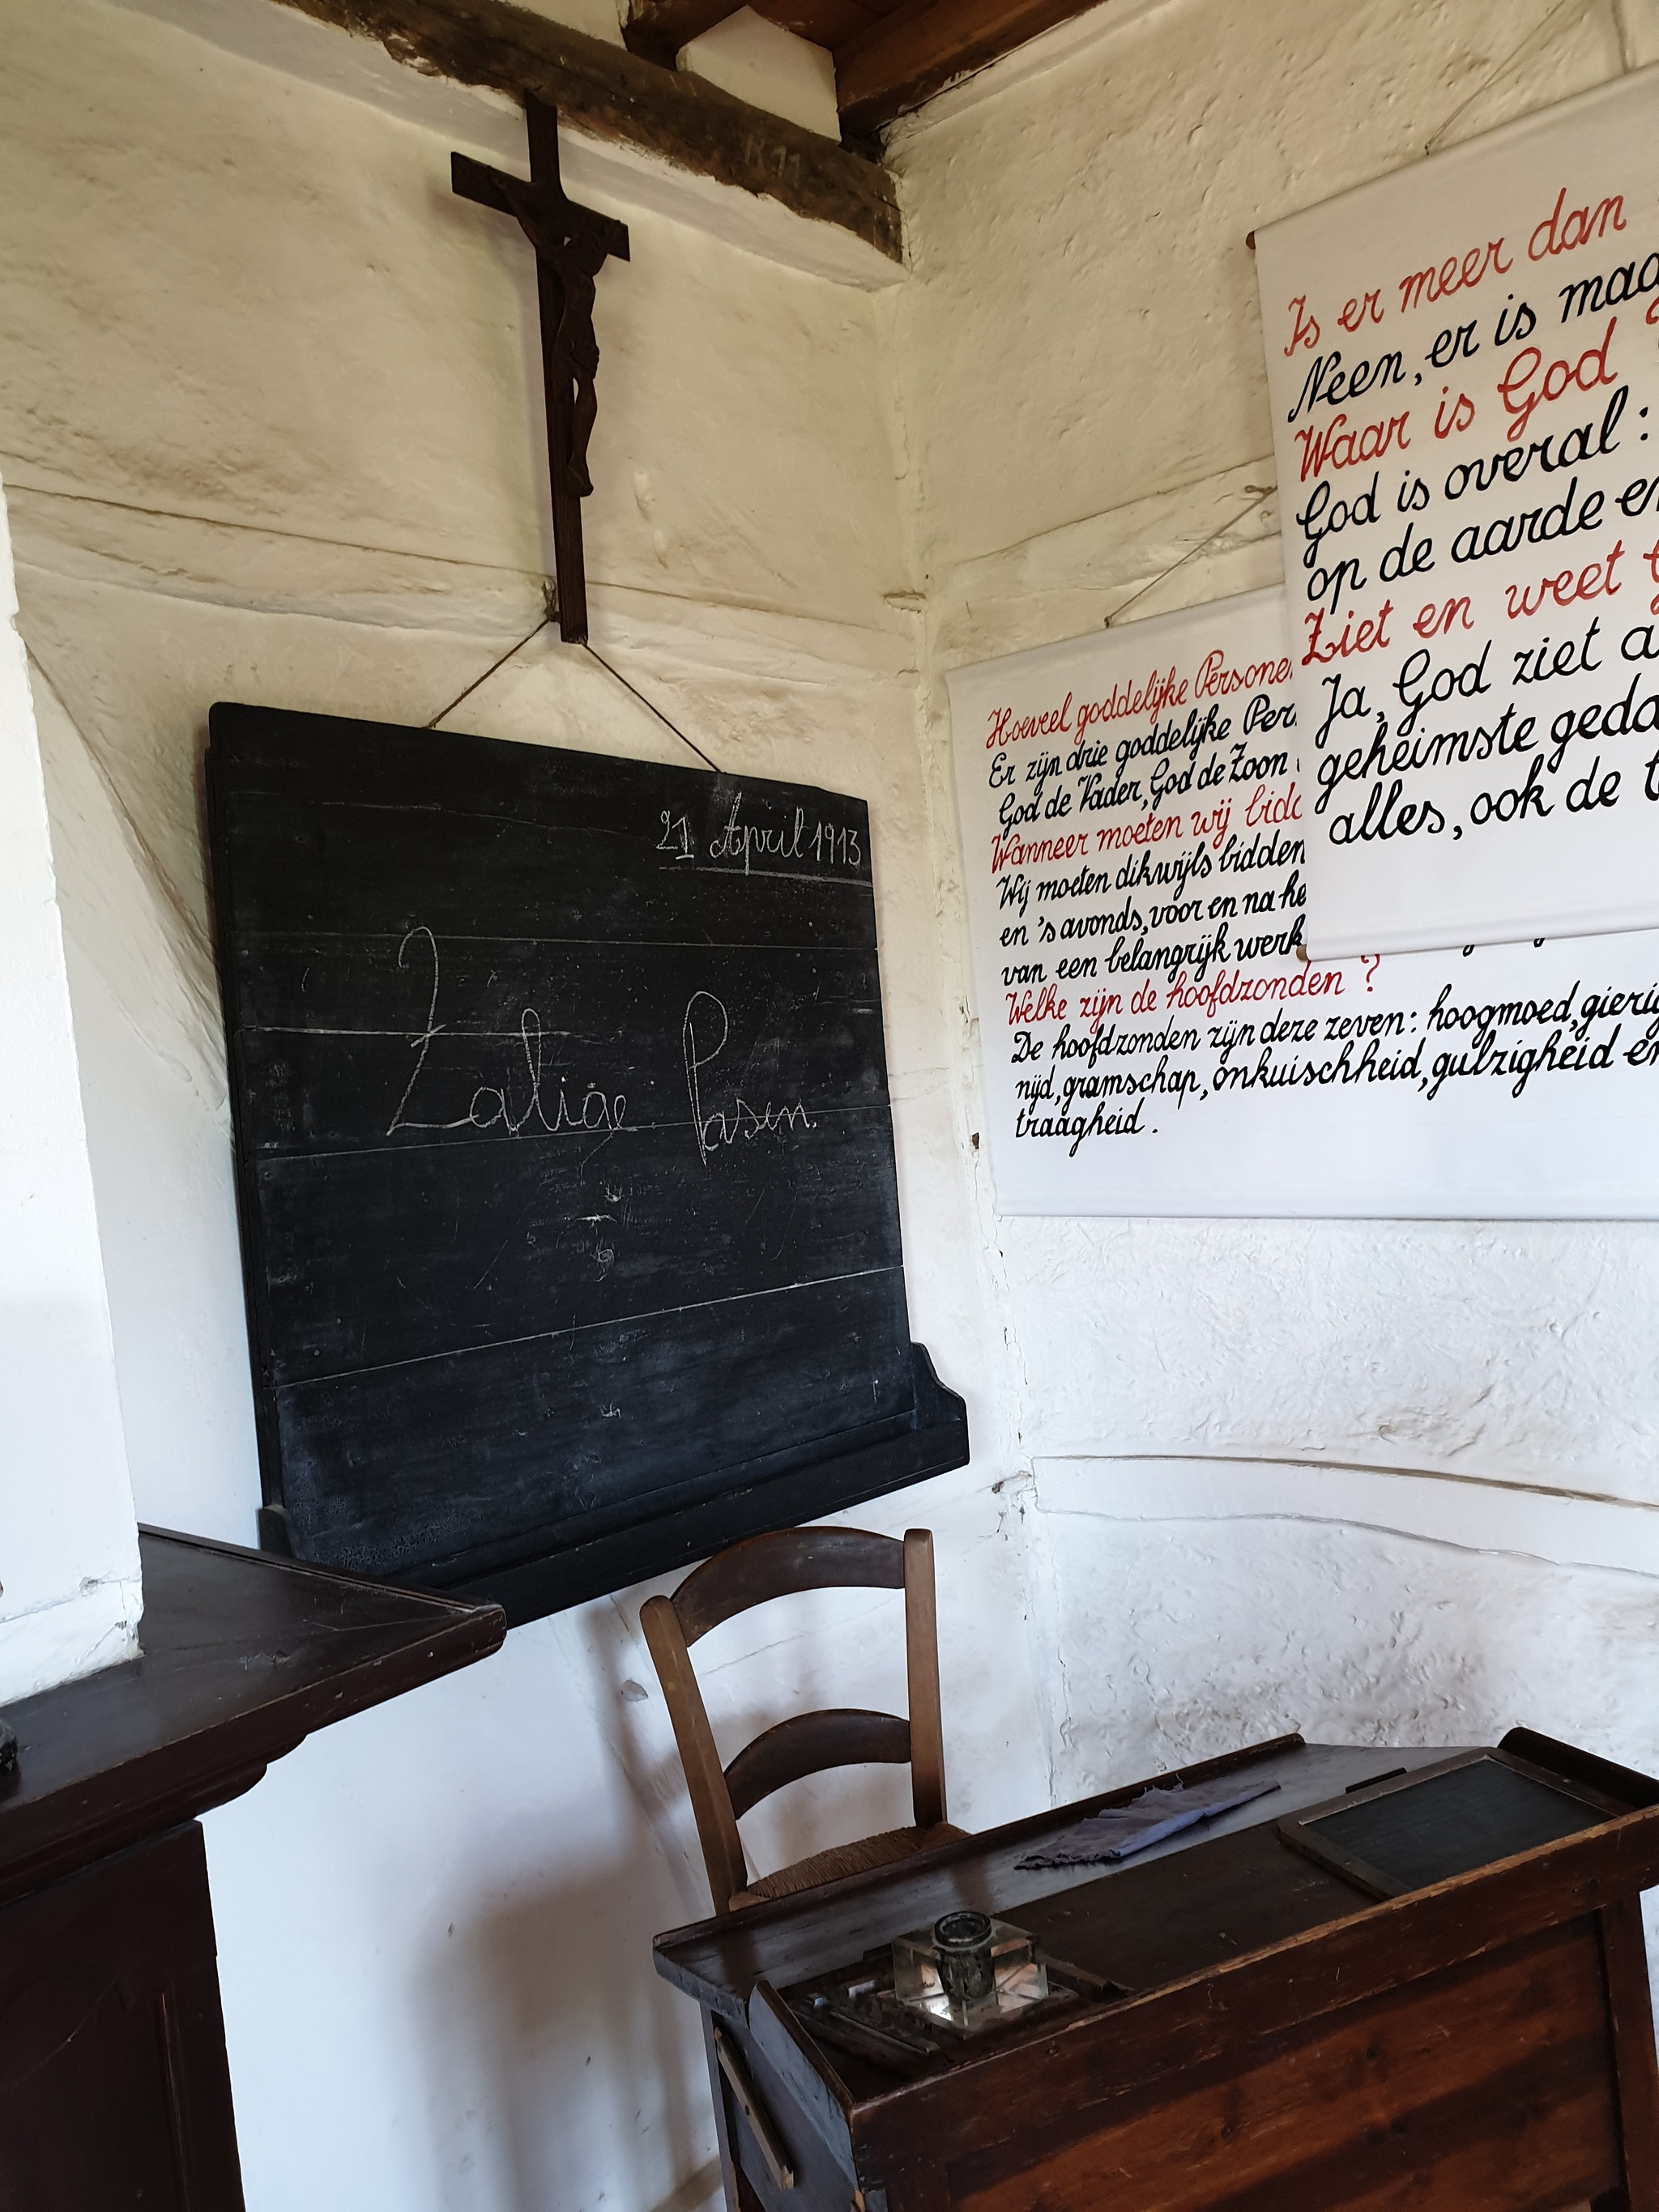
[{"x": 572, "y": 243}]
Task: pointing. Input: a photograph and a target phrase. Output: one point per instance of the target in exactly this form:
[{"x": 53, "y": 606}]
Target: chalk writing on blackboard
[
  {"x": 489, "y": 1106},
  {"x": 740, "y": 1120}
]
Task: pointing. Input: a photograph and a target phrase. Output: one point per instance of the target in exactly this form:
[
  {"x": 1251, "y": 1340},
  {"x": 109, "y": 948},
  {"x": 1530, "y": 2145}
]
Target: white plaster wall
[
  {"x": 267, "y": 408},
  {"x": 1079, "y": 354},
  {"x": 1371, "y": 1607},
  {"x": 70, "y": 1586},
  {"x": 268, "y": 401}
]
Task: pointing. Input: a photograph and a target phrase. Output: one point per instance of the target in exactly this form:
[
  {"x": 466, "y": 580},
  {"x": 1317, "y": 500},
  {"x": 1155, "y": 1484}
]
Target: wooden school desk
[{"x": 1271, "y": 2037}]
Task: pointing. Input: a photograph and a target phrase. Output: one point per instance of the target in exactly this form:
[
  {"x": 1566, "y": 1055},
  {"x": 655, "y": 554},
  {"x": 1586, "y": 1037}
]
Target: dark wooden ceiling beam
[
  {"x": 613, "y": 95},
  {"x": 917, "y": 51},
  {"x": 826, "y": 22}
]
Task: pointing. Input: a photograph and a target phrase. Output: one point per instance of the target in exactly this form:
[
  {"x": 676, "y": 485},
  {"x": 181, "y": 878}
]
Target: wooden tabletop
[
  {"x": 244, "y": 1655},
  {"x": 719, "y": 1961}
]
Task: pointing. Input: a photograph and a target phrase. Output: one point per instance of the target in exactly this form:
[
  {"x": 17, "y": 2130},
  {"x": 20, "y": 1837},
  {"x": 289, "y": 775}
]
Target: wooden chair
[{"x": 748, "y": 1575}]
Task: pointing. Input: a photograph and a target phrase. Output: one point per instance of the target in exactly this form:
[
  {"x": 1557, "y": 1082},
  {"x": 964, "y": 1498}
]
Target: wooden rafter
[
  {"x": 826, "y": 22},
  {"x": 608, "y": 93},
  {"x": 888, "y": 58},
  {"x": 917, "y": 51}
]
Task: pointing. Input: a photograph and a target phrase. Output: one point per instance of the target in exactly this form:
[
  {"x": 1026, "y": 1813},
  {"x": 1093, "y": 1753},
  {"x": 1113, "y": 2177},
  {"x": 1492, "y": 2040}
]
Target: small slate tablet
[{"x": 1422, "y": 1828}]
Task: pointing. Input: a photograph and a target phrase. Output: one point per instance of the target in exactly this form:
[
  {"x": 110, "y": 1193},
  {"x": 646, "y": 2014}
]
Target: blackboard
[
  {"x": 564, "y": 1152},
  {"x": 1446, "y": 1820}
]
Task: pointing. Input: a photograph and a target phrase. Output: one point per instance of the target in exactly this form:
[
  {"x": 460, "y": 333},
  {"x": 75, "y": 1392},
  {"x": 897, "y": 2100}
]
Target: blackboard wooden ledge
[
  {"x": 534, "y": 1586},
  {"x": 529, "y": 1588}
]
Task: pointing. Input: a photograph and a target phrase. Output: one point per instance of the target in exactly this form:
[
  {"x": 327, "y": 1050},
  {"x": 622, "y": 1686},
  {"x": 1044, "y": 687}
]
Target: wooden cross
[{"x": 572, "y": 245}]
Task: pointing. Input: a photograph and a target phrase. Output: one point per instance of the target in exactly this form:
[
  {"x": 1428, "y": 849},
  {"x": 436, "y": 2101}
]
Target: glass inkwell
[{"x": 968, "y": 1969}]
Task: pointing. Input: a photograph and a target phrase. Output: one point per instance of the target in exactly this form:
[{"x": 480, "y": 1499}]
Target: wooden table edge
[{"x": 170, "y": 1781}]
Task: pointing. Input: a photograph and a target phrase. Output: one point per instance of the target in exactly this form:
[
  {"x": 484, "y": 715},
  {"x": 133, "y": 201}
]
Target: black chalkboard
[{"x": 565, "y": 1157}]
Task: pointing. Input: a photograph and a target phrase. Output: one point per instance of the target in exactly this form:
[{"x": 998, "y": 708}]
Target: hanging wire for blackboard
[
  {"x": 1263, "y": 493},
  {"x": 1514, "y": 54},
  {"x": 655, "y": 709},
  {"x": 548, "y": 612}
]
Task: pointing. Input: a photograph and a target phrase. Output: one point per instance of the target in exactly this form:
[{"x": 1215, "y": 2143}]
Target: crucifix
[{"x": 572, "y": 244}]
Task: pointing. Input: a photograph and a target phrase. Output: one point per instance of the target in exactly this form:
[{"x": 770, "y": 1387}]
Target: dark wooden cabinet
[
  {"x": 115, "y": 2086},
  {"x": 114, "y": 2082}
]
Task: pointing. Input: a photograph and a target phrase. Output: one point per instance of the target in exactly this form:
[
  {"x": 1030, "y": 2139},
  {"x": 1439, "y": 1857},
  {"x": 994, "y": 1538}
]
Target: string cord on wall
[
  {"x": 1260, "y": 494},
  {"x": 550, "y": 599},
  {"x": 17, "y": 484},
  {"x": 1501, "y": 67},
  {"x": 552, "y": 616},
  {"x": 550, "y": 612}
]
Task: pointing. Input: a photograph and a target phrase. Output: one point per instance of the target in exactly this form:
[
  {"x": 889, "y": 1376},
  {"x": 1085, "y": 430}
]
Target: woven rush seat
[{"x": 842, "y": 1859}]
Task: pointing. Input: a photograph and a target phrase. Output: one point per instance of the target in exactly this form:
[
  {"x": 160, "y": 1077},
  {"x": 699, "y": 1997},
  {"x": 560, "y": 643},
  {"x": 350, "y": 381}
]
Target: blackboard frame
[{"x": 922, "y": 1430}]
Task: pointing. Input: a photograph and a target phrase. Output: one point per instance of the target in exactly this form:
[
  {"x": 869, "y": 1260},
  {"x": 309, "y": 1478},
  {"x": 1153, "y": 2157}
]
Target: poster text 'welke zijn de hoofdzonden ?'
[
  {"x": 1463, "y": 369},
  {"x": 1135, "y": 817}
]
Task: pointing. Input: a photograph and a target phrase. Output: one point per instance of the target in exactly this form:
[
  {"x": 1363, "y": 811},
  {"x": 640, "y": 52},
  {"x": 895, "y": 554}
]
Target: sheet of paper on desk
[{"x": 1151, "y": 1818}]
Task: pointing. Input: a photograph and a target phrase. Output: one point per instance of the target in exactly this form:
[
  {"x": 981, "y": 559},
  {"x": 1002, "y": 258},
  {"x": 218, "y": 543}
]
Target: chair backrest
[{"x": 748, "y": 1575}]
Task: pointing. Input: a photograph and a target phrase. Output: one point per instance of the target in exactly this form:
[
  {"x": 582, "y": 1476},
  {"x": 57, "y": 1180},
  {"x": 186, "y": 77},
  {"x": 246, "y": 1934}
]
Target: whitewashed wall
[
  {"x": 267, "y": 411},
  {"x": 1324, "y": 1473},
  {"x": 69, "y": 1583},
  {"x": 267, "y": 415}
]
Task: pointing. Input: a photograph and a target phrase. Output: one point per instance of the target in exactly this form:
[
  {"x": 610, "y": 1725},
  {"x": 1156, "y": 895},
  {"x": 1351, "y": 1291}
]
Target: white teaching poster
[
  {"x": 1463, "y": 369},
  {"x": 1135, "y": 816}
]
